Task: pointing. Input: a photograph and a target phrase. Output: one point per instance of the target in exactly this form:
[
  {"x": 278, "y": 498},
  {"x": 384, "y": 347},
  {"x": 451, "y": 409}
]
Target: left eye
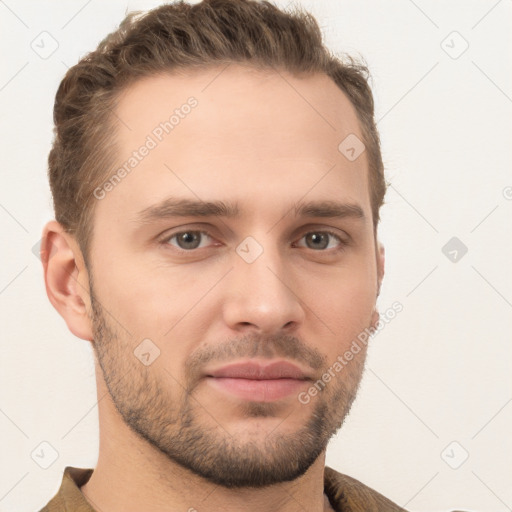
[
  {"x": 319, "y": 240},
  {"x": 188, "y": 240}
]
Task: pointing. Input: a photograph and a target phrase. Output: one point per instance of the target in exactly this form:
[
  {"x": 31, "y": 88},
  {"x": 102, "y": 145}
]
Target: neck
[{"x": 132, "y": 475}]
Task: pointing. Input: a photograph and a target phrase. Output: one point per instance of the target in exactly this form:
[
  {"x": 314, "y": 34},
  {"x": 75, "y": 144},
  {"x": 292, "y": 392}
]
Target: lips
[
  {"x": 257, "y": 371},
  {"x": 261, "y": 382}
]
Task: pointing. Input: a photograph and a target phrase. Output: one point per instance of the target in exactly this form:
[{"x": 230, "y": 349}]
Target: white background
[{"x": 440, "y": 372}]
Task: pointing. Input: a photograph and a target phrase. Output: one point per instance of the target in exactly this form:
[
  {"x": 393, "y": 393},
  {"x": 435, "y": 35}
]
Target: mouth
[{"x": 259, "y": 381}]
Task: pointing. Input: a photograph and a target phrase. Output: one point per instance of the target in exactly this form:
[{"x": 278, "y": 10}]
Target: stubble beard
[{"x": 182, "y": 428}]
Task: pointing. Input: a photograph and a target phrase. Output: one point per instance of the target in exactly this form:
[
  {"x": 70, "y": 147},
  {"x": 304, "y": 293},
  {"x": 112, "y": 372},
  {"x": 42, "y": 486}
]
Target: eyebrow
[
  {"x": 174, "y": 207},
  {"x": 330, "y": 209}
]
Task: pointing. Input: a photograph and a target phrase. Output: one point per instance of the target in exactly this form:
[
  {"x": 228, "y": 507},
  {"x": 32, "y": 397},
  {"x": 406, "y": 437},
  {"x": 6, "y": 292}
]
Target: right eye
[{"x": 188, "y": 240}]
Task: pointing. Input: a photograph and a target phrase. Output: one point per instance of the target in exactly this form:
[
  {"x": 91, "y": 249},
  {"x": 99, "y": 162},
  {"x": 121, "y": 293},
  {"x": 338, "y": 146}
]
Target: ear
[
  {"x": 66, "y": 279},
  {"x": 381, "y": 261}
]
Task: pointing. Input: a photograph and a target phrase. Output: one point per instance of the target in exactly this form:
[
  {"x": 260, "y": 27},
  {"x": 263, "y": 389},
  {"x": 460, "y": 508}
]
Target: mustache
[{"x": 250, "y": 346}]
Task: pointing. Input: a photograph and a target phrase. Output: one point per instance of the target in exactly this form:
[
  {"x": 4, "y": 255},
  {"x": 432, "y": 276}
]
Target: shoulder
[
  {"x": 350, "y": 495},
  {"x": 69, "y": 497}
]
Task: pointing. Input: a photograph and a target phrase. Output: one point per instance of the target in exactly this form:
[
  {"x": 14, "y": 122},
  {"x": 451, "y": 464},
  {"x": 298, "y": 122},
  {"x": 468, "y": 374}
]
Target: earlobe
[
  {"x": 66, "y": 279},
  {"x": 375, "y": 318},
  {"x": 381, "y": 260}
]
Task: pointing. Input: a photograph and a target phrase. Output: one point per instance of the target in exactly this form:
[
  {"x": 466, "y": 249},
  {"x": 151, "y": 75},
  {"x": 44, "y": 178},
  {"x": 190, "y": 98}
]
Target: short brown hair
[{"x": 176, "y": 36}]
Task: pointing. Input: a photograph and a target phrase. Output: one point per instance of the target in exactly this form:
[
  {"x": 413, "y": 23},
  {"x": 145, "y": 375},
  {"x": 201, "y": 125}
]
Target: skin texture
[{"x": 170, "y": 439}]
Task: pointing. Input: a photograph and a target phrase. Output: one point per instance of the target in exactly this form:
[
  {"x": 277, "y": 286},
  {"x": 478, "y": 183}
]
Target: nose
[{"x": 260, "y": 296}]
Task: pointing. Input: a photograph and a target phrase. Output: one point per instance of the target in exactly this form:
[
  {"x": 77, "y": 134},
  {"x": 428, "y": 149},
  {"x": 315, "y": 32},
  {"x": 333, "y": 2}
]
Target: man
[{"x": 217, "y": 181}]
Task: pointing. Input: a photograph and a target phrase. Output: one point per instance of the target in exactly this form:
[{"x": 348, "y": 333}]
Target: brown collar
[{"x": 345, "y": 494}]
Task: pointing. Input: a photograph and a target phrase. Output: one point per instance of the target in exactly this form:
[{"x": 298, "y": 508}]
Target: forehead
[
  {"x": 274, "y": 99},
  {"x": 235, "y": 131}
]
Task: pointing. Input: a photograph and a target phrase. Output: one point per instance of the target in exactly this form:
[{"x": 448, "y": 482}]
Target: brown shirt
[{"x": 345, "y": 494}]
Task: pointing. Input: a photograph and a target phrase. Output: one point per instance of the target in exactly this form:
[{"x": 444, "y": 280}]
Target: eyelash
[{"x": 342, "y": 243}]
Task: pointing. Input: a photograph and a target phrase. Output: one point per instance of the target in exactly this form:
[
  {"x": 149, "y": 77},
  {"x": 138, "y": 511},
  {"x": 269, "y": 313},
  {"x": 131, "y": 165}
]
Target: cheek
[
  {"x": 344, "y": 305},
  {"x": 148, "y": 299},
  {"x": 169, "y": 306},
  {"x": 347, "y": 314}
]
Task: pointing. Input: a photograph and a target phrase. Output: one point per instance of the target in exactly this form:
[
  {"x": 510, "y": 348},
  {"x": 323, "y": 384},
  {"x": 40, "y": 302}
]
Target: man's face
[{"x": 250, "y": 281}]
